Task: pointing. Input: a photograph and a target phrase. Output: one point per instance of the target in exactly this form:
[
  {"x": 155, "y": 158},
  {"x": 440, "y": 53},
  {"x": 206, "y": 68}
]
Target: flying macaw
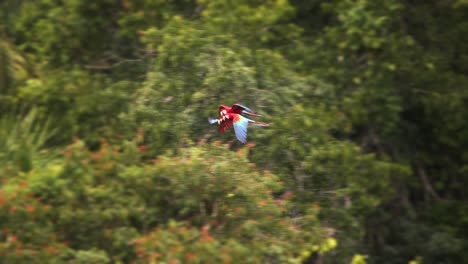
[
  {"x": 228, "y": 119},
  {"x": 236, "y": 109}
]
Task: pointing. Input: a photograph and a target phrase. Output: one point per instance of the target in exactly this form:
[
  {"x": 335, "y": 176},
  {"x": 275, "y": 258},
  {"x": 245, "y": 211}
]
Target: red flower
[
  {"x": 2, "y": 200},
  {"x": 207, "y": 239},
  {"x": 13, "y": 209},
  {"x": 250, "y": 145},
  {"x": 142, "y": 148},
  {"x": 204, "y": 230},
  {"x": 139, "y": 251},
  {"x": 51, "y": 249},
  {"x": 288, "y": 195},
  {"x": 23, "y": 184},
  {"x": 189, "y": 256},
  {"x": 30, "y": 208}
]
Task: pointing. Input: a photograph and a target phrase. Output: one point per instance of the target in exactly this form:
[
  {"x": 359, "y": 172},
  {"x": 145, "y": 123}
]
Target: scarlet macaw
[
  {"x": 236, "y": 109},
  {"x": 227, "y": 119}
]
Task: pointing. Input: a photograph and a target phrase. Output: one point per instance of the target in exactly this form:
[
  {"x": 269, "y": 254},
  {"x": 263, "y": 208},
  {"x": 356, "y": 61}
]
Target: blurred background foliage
[{"x": 106, "y": 155}]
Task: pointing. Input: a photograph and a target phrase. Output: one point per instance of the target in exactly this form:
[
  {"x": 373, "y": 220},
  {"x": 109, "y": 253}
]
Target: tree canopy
[{"x": 106, "y": 155}]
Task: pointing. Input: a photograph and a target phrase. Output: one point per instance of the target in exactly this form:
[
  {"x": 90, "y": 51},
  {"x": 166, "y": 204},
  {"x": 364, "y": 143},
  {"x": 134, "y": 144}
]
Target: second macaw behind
[{"x": 231, "y": 116}]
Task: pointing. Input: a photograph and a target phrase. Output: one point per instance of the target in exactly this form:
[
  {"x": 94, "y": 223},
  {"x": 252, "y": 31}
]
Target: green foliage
[
  {"x": 55, "y": 31},
  {"x": 391, "y": 74},
  {"x": 22, "y": 137},
  {"x": 105, "y": 199},
  {"x": 200, "y": 71},
  {"x": 180, "y": 243},
  {"x": 251, "y": 21},
  {"x": 364, "y": 161},
  {"x": 76, "y": 102},
  {"x": 14, "y": 70},
  {"x": 358, "y": 259}
]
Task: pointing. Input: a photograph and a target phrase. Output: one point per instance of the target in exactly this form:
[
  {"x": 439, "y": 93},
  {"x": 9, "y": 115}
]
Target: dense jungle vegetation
[{"x": 106, "y": 155}]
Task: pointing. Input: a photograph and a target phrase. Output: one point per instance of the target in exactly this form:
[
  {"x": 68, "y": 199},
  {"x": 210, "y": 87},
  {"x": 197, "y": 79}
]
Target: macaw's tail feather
[
  {"x": 212, "y": 120},
  {"x": 256, "y": 123}
]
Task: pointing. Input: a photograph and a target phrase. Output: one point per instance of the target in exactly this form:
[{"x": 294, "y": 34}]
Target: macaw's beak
[{"x": 250, "y": 113}]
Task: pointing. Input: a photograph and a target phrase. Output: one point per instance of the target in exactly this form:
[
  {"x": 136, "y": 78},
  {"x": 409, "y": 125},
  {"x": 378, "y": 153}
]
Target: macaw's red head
[{"x": 223, "y": 110}]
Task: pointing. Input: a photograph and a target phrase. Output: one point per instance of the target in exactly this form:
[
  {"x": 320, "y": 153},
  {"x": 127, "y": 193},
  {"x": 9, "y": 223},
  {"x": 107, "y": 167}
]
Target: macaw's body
[
  {"x": 236, "y": 109},
  {"x": 240, "y": 123}
]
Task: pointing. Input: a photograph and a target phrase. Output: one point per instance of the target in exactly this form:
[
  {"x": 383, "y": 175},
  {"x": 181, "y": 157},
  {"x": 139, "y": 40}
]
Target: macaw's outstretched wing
[
  {"x": 224, "y": 125},
  {"x": 240, "y": 128},
  {"x": 237, "y": 108},
  {"x": 240, "y": 109}
]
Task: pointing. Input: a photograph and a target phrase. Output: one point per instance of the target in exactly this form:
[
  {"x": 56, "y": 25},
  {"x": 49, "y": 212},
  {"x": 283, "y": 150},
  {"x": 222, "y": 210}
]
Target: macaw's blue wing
[{"x": 240, "y": 128}]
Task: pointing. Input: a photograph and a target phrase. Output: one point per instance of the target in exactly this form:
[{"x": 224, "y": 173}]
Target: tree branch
[{"x": 427, "y": 184}]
